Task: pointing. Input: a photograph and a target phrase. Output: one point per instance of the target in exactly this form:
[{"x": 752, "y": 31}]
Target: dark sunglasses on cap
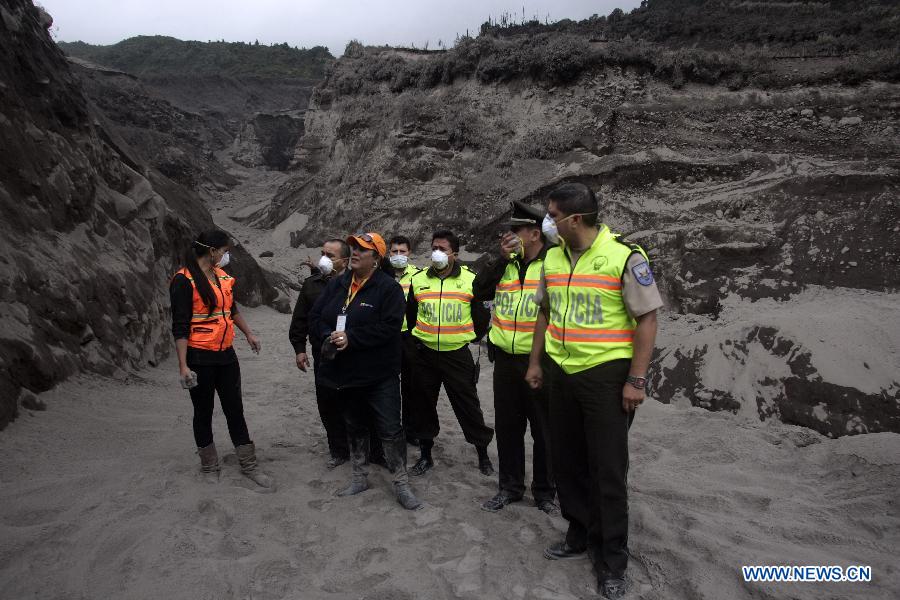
[{"x": 365, "y": 237}]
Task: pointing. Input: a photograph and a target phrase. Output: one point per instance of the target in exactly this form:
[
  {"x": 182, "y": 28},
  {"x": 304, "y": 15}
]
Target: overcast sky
[{"x": 308, "y": 23}]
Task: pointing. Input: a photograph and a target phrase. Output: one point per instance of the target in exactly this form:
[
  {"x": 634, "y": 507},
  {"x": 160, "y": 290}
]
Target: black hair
[
  {"x": 345, "y": 247},
  {"x": 202, "y": 245},
  {"x": 400, "y": 239},
  {"x": 576, "y": 198},
  {"x": 446, "y": 234}
]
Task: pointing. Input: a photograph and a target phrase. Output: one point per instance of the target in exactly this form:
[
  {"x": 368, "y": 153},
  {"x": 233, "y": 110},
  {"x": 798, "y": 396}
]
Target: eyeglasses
[{"x": 365, "y": 237}]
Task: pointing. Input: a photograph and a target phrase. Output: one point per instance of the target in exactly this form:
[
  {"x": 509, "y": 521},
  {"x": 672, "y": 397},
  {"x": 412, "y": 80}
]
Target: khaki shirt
[{"x": 639, "y": 290}]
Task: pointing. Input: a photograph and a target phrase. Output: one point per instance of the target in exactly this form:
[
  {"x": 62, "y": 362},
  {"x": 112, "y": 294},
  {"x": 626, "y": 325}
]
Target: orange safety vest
[{"x": 212, "y": 331}]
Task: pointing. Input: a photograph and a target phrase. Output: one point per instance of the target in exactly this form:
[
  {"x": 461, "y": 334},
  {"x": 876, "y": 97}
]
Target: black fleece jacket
[
  {"x": 312, "y": 288},
  {"x": 373, "y": 330}
]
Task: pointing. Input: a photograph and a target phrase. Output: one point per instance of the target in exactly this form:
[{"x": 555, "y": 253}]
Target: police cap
[{"x": 525, "y": 214}]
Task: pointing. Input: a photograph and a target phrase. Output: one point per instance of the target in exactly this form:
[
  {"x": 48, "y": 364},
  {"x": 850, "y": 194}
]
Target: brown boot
[
  {"x": 209, "y": 464},
  {"x": 247, "y": 458}
]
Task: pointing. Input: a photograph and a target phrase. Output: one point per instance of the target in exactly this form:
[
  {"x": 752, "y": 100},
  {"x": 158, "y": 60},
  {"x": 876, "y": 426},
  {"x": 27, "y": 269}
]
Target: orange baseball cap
[{"x": 369, "y": 241}]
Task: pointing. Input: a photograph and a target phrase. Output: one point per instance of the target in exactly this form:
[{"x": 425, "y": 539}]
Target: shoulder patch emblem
[{"x": 642, "y": 273}]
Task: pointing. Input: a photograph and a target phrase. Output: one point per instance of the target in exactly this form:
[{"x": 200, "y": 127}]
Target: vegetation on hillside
[
  {"x": 161, "y": 56},
  {"x": 814, "y": 27},
  {"x": 679, "y": 41}
]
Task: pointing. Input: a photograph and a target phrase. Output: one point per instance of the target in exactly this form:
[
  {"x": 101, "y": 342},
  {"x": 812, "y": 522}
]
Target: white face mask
[
  {"x": 548, "y": 227},
  {"x": 399, "y": 261},
  {"x": 226, "y": 258},
  {"x": 520, "y": 251},
  {"x": 326, "y": 265},
  {"x": 439, "y": 260}
]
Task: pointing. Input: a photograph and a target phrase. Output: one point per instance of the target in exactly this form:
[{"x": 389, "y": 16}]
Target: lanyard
[{"x": 351, "y": 293}]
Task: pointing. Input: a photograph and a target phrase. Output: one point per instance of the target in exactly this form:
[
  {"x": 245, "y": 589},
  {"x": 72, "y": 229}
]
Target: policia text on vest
[{"x": 446, "y": 318}]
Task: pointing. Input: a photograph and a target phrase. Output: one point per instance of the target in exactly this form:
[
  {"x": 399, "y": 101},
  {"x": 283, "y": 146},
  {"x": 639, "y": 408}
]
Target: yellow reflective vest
[
  {"x": 514, "y": 314},
  {"x": 405, "y": 281},
  {"x": 589, "y": 324},
  {"x": 444, "y": 319}
]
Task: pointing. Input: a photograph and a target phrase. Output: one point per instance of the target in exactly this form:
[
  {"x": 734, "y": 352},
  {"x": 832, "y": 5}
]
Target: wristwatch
[{"x": 637, "y": 382}]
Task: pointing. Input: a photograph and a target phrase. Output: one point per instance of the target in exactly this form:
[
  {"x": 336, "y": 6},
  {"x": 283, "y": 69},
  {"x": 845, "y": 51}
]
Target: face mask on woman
[
  {"x": 439, "y": 260},
  {"x": 326, "y": 265},
  {"x": 399, "y": 261},
  {"x": 226, "y": 258}
]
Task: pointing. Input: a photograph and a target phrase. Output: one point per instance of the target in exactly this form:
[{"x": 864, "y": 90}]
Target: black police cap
[{"x": 525, "y": 214}]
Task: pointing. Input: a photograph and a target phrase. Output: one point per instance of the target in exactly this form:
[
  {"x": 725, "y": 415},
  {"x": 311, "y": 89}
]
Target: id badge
[{"x": 341, "y": 323}]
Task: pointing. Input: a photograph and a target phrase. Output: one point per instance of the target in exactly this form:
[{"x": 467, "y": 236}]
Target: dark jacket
[
  {"x": 481, "y": 316},
  {"x": 299, "y": 331},
  {"x": 373, "y": 330}
]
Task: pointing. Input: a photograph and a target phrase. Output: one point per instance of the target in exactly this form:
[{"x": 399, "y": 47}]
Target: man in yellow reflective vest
[
  {"x": 403, "y": 271},
  {"x": 598, "y": 326},
  {"x": 511, "y": 281},
  {"x": 447, "y": 317}
]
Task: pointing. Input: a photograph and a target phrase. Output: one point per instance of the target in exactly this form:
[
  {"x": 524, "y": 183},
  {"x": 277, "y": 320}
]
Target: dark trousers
[
  {"x": 377, "y": 404},
  {"x": 455, "y": 369},
  {"x": 589, "y": 434},
  {"x": 515, "y": 406},
  {"x": 226, "y": 381},
  {"x": 407, "y": 368},
  {"x": 331, "y": 412}
]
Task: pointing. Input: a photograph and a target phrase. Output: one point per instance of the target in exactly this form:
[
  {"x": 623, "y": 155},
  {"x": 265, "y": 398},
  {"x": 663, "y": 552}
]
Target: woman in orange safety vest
[{"x": 204, "y": 316}]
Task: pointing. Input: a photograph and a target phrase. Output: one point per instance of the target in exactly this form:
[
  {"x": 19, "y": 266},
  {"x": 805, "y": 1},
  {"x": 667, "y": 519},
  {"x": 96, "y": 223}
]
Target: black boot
[
  {"x": 359, "y": 481},
  {"x": 425, "y": 462},
  {"x": 484, "y": 461},
  {"x": 395, "y": 455}
]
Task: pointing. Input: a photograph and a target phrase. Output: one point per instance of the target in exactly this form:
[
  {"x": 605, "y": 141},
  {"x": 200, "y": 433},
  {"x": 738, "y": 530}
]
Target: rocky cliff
[
  {"x": 90, "y": 230},
  {"x": 253, "y": 94},
  {"x": 765, "y": 187}
]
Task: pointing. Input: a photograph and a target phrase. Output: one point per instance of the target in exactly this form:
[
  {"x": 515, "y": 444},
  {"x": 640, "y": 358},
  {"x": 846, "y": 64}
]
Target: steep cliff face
[
  {"x": 89, "y": 233},
  {"x": 248, "y": 97},
  {"x": 745, "y": 197}
]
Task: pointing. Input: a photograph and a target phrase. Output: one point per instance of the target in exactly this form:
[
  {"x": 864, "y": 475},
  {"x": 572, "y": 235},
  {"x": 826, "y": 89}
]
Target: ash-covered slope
[
  {"x": 255, "y": 94},
  {"x": 89, "y": 233},
  {"x": 749, "y": 176}
]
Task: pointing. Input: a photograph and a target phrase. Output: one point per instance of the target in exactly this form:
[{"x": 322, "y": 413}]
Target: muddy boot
[
  {"x": 395, "y": 455},
  {"x": 247, "y": 458},
  {"x": 209, "y": 464},
  {"x": 425, "y": 462},
  {"x": 359, "y": 481}
]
